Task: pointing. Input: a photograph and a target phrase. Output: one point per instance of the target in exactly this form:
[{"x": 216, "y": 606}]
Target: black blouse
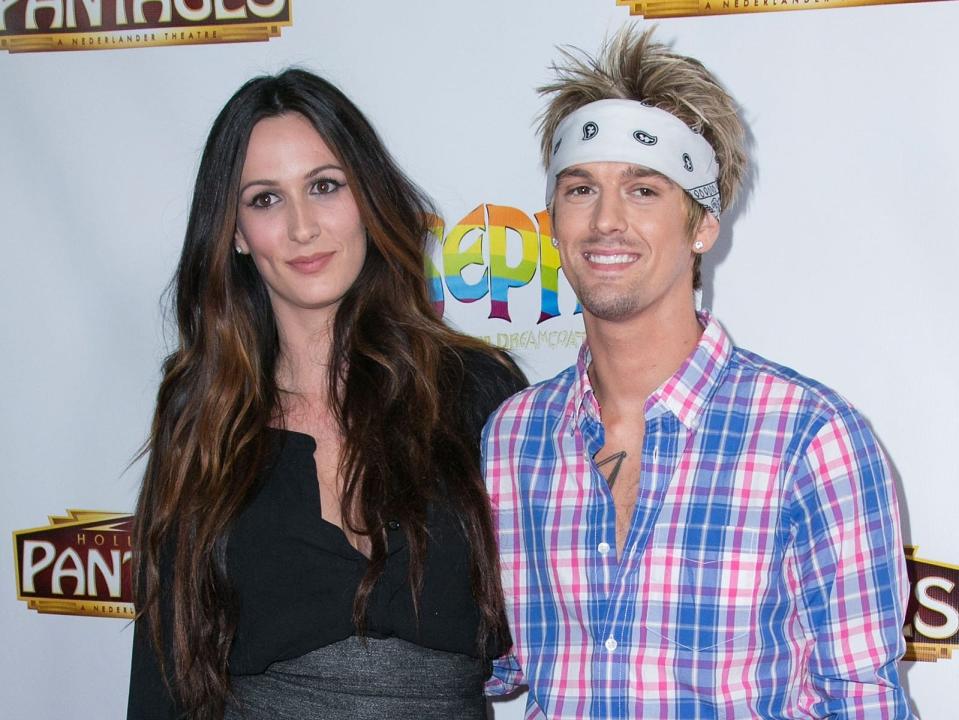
[{"x": 295, "y": 574}]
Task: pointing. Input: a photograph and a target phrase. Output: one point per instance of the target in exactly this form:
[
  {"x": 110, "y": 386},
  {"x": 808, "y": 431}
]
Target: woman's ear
[{"x": 239, "y": 242}]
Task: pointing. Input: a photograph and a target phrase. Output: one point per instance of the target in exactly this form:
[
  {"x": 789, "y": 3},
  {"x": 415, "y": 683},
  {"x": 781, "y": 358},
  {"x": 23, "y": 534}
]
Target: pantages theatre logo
[
  {"x": 38, "y": 25},
  {"x": 79, "y": 564},
  {"x": 932, "y": 616},
  {"x": 686, "y": 8}
]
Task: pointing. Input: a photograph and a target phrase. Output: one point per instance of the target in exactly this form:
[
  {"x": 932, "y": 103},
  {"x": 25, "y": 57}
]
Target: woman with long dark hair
[{"x": 312, "y": 537}]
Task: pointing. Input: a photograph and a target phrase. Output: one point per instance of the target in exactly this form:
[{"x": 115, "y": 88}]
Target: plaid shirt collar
[{"x": 685, "y": 394}]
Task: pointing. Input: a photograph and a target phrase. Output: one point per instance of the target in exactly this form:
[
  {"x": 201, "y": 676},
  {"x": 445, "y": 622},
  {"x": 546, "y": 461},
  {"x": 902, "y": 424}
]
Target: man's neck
[{"x": 631, "y": 358}]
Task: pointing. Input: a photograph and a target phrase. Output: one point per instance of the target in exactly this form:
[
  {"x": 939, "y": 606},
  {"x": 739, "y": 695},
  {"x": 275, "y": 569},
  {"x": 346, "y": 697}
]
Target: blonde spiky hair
[{"x": 630, "y": 66}]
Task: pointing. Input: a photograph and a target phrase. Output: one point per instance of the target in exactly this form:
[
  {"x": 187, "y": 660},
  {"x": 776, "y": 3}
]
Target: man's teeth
[{"x": 609, "y": 259}]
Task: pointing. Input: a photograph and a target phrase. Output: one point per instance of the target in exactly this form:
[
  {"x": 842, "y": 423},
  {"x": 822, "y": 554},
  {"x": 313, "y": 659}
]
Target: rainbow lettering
[{"x": 462, "y": 247}]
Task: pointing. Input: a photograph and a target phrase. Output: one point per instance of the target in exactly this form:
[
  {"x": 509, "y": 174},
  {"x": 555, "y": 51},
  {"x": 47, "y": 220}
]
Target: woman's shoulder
[
  {"x": 491, "y": 371},
  {"x": 481, "y": 380}
]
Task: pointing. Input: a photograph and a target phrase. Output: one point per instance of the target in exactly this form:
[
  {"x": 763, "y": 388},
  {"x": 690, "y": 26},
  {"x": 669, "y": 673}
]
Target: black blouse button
[{"x": 393, "y": 525}]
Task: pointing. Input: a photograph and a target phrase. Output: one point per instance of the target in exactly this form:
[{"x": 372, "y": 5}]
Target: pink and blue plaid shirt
[{"x": 762, "y": 575}]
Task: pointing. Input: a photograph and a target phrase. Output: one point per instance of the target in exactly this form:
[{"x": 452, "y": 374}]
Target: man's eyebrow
[
  {"x": 639, "y": 171},
  {"x": 576, "y": 172},
  {"x": 633, "y": 171}
]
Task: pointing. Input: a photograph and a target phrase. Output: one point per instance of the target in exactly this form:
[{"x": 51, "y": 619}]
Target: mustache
[{"x": 615, "y": 242}]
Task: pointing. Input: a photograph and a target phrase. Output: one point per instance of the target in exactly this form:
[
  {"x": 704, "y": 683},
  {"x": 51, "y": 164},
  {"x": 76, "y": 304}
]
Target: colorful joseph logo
[{"x": 462, "y": 255}]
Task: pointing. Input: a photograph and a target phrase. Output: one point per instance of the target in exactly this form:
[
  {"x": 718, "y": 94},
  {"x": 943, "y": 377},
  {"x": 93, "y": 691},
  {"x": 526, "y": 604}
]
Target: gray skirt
[{"x": 349, "y": 680}]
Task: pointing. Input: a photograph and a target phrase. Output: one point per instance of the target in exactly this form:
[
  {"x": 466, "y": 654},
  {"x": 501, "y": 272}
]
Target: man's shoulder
[{"x": 781, "y": 381}]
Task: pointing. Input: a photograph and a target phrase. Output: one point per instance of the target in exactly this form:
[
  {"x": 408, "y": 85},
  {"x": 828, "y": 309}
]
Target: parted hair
[
  {"x": 396, "y": 374},
  {"x": 631, "y": 66}
]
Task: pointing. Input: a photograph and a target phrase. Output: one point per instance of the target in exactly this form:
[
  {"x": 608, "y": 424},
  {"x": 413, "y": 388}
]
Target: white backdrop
[{"x": 840, "y": 263}]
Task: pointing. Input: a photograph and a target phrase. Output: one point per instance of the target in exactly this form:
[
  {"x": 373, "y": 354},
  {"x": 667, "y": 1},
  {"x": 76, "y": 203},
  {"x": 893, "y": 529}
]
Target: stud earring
[
  {"x": 698, "y": 245},
  {"x": 239, "y": 250},
  {"x": 555, "y": 242}
]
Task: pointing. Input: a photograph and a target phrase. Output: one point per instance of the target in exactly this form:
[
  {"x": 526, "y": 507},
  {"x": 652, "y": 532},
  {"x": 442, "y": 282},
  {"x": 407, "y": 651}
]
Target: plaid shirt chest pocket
[{"x": 703, "y": 596}]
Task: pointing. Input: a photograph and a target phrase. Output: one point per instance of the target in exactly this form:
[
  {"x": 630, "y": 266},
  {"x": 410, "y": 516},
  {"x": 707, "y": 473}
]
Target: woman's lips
[{"x": 308, "y": 264}]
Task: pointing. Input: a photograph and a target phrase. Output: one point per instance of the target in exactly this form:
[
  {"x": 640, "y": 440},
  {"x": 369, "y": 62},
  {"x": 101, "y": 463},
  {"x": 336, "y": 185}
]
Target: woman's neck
[{"x": 303, "y": 366}]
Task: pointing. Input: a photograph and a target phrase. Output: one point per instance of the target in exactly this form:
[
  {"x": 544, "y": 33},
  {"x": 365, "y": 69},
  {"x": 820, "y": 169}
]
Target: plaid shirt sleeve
[
  {"x": 507, "y": 676},
  {"x": 848, "y": 571},
  {"x": 507, "y": 671}
]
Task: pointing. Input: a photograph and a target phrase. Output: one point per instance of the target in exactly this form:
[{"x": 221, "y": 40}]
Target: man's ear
[{"x": 707, "y": 233}]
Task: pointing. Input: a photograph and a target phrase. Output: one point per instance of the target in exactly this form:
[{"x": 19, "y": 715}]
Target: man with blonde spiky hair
[{"x": 686, "y": 529}]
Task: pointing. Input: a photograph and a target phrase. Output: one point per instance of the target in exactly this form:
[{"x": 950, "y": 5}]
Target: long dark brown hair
[{"x": 394, "y": 373}]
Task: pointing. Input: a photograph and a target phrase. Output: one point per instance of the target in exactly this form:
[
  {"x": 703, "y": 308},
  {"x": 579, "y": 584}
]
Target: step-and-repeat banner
[{"x": 840, "y": 262}]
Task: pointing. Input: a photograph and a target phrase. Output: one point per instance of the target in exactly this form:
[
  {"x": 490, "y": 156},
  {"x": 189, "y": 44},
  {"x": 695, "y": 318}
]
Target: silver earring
[
  {"x": 239, "y": 250},
  {"x": 698, "y": 245},
  {"x": 555, "y": 242}
]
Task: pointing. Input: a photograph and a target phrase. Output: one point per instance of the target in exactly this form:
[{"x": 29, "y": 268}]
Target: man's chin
[{"x": 610, "y": 309}]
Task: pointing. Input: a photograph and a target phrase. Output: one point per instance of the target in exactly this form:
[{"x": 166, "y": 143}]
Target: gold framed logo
[
  {"x": 52, "y": 25},
  {"x": 79, "y": 564},
  {"x": 932, "y": 616},
  {"x": 660, "y": 9}
]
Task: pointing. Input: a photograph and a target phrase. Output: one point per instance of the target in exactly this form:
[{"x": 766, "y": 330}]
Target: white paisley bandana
[{"x": 628, "y": 131}]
